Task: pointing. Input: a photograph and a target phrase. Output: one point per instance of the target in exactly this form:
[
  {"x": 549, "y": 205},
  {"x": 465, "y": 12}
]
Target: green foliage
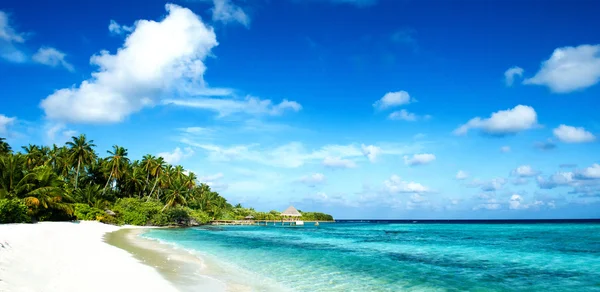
[
  {"x": 85, "y": 212},
  {"x": 13, "y": 211},
  {"x": 72, "y": 182},
  {"x": 312, "y": 216}
]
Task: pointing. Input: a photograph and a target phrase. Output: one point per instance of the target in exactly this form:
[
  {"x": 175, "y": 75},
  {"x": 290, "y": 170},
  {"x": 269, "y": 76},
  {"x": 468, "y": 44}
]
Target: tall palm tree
[
  {"x": 33, "y": 155},
  {"x": 157, "y": 172},
  {"x": 41, "y": 189},
  {"x": 117, "y": 161},
  {"x": 11, "y": 172},
  {"x": 81, "y": 151},
  {"x": 4, "y": 147}
]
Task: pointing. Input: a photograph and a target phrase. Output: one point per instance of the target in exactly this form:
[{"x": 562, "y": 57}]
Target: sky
[{"x": 358, "y": 108}]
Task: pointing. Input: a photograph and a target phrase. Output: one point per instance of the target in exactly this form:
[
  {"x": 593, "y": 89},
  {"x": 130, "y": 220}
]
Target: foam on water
[{"x": 402, "y": 257}]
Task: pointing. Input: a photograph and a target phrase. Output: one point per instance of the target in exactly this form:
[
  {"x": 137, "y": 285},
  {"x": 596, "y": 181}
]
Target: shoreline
[
  {"x": 188, "y": 270},
  {"x": 185, "y": 271}
]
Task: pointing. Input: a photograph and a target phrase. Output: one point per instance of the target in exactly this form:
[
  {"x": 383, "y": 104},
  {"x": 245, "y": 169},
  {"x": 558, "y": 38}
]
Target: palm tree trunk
[
  {"x": 108, "y": 181},
  {"x": 77, "y": 175},
  {"x": 152, "y": 191}
]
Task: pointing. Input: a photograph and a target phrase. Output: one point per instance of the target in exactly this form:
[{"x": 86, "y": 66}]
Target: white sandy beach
[{"x": 64, "y": 257}]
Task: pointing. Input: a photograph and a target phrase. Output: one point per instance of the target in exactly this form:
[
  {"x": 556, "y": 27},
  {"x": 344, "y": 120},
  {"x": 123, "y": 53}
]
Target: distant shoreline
[{"x": 469, "y": 221}]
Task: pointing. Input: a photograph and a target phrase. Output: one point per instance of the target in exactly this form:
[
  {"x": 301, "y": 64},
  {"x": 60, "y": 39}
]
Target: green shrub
[
  {"x": 85, "y": 212},
  {"x": 136, "y": 211},
  {"x": 199, "y": 216},
  {"x": 160, "y": 219},
  {"x": 13, "y": 211}
]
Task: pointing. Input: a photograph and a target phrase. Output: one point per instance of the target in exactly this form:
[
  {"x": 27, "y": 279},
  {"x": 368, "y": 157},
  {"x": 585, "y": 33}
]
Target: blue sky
[{"x": 363, "y": 109}]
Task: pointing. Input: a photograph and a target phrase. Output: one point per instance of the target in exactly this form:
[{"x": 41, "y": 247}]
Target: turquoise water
[{"x": 406, "y": 257}]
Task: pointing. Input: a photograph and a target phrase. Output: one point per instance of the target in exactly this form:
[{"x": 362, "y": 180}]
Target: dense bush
[
  {"x": 312, "y": 216},
  {"x": 136, "y": 211},
  {"x": 85, "y": 212},
  {"x": 13, "y": 211}
]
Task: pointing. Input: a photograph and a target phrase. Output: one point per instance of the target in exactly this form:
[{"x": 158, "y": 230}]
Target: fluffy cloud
[
  {"x": 5, "y": 122},
  {"x": 569, "y": 69},
  {"x": 371, "y": 151},
  {"x": 226, "y": 12},
  {"x": 337, "y": 162},
  {"x": 63, "y": 133},
  {"x": 249, "y": 105},
  {"x": 52, "y": 57},
  {"x": 570, "y": 134},
  {"x": 509, "y": 75},
  {"x": 505, "y": 149},
  {"x": 502, "y": 122},
  {"x": 592, "y": 172},
  {"x": 177, "y": 155},
  {"x": 461, "y": 175},
  {"x": 117, "y": 29},
  {"x": 155, "y": 58},
  {"x": 312, "y": 179},
  {"x": 393, "y": 99},
  {"x": 419, "y": 159},
  {"x": 8, "y": 38},
  {"x": 396, "y": 185},
  {"x": 214, "y": 181},
  {"x": 516, "y": 202},
  {"x": 524, "y": 171},
  {"x": 556, "y": 180}
]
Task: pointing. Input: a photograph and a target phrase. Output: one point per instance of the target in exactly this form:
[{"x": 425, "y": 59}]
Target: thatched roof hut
[
  {"x": 291, "y": 212},
  {"x": 249, "y": 217}
]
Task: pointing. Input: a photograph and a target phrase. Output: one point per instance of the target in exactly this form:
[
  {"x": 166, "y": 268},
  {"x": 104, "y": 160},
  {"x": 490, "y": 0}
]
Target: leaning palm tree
[
  {"x": 81, "y": 151},
  {"x": 117, "y": 162},
  {"x": 157, "y": 171}
]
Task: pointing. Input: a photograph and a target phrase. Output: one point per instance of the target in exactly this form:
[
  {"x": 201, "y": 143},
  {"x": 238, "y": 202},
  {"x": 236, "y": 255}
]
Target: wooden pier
[{"x": 263, "y": 222}]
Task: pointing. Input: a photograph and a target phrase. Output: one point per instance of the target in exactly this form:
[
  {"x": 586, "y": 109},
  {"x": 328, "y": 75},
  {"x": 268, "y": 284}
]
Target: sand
[{"x": 65, "y": 256}]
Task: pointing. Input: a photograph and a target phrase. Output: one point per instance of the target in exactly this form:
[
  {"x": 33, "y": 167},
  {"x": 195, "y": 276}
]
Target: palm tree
[
  {"x": 4, "y": 147},
  {"x": 157, "y": 171},
  {"x": 11, "y": 172},
  {"x": 176, "y": 195},
  {"x": 117, "y": 161},
  {"x": 41, "y": 188},
  {"x": 33, "y": 155},
  {"x": 81, "y": 151}
]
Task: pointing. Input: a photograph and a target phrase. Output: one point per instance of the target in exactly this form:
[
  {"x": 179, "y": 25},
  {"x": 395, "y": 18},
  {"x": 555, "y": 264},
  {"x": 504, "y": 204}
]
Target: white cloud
[
  {"x": 290, "y": 155},
  {"x": 396, "y": 185},
  {"x": 249, "y": 105},
  {"x": 8, "y": 38},
  {"x": 570, "y": 134},
  {"x": 515, "y": 202},
  {"x": 177, "y": 155},
  {"x": 214, "y": 181},
  {"x": 493, "y": 185},
  {"x": 337, "y": 162},
  {"x": 5, "y": 122},
  {"x": 419, "y": 159},
  {"x": 117, "y": 29},
  {"x": 461, "y": 175},
  {"x": 525, "y": 171},
  {"x": 569, "y": 69},
  {"x": 52, "y": 57},
  {"x": 393, "y": 99},
  {"x": 371, "y": 151},
  {"x": 226, "y": 12},
  {"x": 312, "y": 179},
  {"x": 155, "y": 59},
  {"x": 509, "y": 75},
  {"x": 407, "y": 116},
  {"x": 556, "y": 180},
  {"x": 592, "y": 172},
  {"x": 502, "y": 122},
  {"x": 505, "y": 149}
]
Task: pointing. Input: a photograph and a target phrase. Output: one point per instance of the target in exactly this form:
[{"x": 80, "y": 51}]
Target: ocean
[{"x": 384, "y": 256}]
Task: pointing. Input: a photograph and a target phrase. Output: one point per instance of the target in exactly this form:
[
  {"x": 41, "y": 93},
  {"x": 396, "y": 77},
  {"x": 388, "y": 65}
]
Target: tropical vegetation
[{"x": 72, "y": 181}]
